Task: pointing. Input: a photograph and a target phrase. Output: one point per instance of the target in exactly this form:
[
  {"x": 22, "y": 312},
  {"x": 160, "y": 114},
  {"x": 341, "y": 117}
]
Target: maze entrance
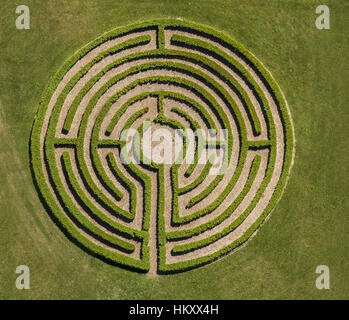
[{"x": 161, "y": 146}]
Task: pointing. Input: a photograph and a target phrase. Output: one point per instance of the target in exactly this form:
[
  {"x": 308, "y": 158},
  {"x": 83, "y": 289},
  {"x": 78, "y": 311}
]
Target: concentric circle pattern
[{"x": 146, "y": 215}]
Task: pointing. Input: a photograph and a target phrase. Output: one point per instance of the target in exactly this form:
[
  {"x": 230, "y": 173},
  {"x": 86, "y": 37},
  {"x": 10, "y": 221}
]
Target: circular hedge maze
[{"x": 102, "y": 146}]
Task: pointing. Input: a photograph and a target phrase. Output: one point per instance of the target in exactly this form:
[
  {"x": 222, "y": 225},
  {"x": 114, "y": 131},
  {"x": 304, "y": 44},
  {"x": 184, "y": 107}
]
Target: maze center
[{"x": 162, "y": 146}]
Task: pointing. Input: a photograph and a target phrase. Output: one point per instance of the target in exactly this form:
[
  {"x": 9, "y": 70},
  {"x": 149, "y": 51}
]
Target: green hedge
[{"x": 120, "y": 230}]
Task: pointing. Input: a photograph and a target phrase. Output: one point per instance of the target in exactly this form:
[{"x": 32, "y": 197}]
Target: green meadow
[{"x": 308, "y": 227}]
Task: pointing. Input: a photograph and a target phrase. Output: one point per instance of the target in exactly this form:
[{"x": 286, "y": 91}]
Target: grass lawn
[{"x": 310, "y": 224}]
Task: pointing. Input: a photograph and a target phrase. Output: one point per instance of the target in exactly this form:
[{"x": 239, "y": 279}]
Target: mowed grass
[{"x": 310, "y": 225}]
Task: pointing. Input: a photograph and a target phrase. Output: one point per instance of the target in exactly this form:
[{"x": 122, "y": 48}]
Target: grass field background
[{"x": 310, "y": 225}]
